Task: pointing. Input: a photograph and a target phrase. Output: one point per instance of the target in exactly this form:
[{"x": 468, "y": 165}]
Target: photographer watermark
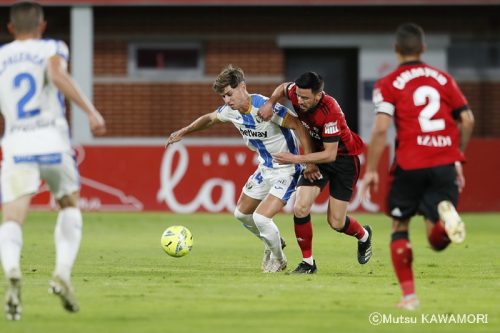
[{"x": 377, "y": 318}]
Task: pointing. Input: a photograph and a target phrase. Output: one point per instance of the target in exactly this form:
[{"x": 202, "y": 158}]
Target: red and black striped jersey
[{"x": 326, "y": 123}]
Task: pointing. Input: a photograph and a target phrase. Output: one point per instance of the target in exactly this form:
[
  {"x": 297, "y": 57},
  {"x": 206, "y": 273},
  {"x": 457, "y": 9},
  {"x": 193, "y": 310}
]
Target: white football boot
[
  {"x": 453, "y": 224},
  {"x": 65, "y": 291},
  {"x": 410, "y": 303},
  {"x": 13, "y": 308}
]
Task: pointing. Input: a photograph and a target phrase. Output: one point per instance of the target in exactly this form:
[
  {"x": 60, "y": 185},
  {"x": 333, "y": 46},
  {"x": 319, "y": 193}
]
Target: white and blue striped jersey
[
  {"x": 32, "y": 106},
  {"x": 264, "y": 137}
]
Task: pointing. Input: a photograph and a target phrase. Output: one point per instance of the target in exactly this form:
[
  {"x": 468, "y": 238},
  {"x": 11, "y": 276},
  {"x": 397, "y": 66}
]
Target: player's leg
[
  {"x": 438, "y": 207},
  {"x": 11, "y": 242},
  {"x": 244, "y": 213},
  {"x": 436, "y": 235},
  {"x": 344, "y": 175},
  {"x": 269, "y": 232},
  {"x": 402, "y": 259},
  {"x": 281, "y": 185},
  {"x": 340, "y": 222},
  {"x": 19, "y": 182},
  {"x": 404, "y": 199},
  {"x": 251, "y": 196},
  {"x": 447, "y": 189},
  {"x": 304, "y": 199},
  {"x": 62, "y": 179}
]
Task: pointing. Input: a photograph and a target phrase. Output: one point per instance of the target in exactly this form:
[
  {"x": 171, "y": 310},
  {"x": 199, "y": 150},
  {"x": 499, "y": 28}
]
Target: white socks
[
  {"x": 247, "y": 221},
  {"x": 309, "y": 260},
  {"x": 269, "y": 233},
  {"x": 67, "y": 236},
  {"x": 11, "y": 243},
  {"x": 365, "y": 236}
]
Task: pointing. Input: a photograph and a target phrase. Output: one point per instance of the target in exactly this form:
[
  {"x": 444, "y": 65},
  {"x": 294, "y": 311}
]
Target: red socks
[
  {"x": 352, "y": 228},
  {"x": 438, "y": 238},
  {"x": 304, "y": 234},
  {"x": 402, "y": 257}
]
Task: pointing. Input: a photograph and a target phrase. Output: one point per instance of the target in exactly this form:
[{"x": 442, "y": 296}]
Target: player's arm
[
  {"x": 375, "y": 149},
  {"x": 266, "y": 110},
  {"x": 466, "y": 126},
  {"x": 200, "y": 124},
  {"x": 311, "y": 172},
  {"x": 294, "y": 123},
  {"x": 58, "y": 74},
  {"x": 329, "y": 154}
]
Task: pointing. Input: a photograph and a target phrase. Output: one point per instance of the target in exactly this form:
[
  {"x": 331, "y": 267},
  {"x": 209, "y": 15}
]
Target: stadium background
[{"x": 149, "y": 65}]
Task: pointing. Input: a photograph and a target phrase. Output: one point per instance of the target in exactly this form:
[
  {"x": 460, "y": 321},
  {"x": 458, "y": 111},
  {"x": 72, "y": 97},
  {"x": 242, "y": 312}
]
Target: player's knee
[
  {"x": 335, "y": 223},
  {"x": 69, "y": 201},
  {"x": 301, "y": 210},
  {"x": 239, "y": 215},
  {"x": 13, "y": 217},
  {"x": 261, "y": 220}
]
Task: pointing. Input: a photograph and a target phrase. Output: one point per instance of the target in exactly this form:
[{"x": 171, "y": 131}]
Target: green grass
[{"x": 125, "y": 283}]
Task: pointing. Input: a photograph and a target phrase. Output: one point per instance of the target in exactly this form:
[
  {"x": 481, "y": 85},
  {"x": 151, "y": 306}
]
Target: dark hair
[
  {"x": 230, "y": 76},
  {"x": 409, "y": 39},
  {"x": 310, "y": 80},
  {"x": 25, "y": 16}
]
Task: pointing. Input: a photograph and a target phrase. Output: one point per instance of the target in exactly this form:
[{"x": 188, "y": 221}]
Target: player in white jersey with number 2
[
  {"x": 36, "y": 146},
  {"x": 268, "y": 189}
]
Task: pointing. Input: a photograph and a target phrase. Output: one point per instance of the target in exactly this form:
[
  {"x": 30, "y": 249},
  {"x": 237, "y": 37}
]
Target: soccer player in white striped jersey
[
  {"x": 268, "y": 189},
  {"x": 36, "y": 146}
]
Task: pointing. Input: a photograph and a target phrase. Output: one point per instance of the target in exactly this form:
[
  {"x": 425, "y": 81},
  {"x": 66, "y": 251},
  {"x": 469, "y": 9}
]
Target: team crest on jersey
[{"x": 331, "y": 128}]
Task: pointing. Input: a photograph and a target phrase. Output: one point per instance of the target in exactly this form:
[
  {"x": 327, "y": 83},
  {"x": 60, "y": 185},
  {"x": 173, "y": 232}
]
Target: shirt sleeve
[
  {"x": 60, "y": 49},
  {"x": 279, "y": 114},
  {"x": 332, "y": 123},
  {"x": 222, "y": 114},
  {"x": 382, "y": 99},
  {"x": 457, "y": 99},
  {"x": 290, "y": 90}
]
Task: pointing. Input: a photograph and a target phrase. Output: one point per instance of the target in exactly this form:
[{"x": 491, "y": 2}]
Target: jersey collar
[
  {"x": 413, "y": 62},
  {"x": 249, "y": 105}
]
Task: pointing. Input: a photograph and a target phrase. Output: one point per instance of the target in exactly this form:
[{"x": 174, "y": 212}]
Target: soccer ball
[{"x": 177, "y": 241}]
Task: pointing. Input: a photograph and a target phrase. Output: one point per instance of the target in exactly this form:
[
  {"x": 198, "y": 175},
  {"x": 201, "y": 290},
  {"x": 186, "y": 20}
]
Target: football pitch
[{"x": 126, "y": 283}]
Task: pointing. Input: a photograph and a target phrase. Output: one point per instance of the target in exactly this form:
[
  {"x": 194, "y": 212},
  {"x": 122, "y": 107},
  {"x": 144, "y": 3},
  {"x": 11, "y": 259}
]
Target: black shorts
[
  {"x": 343, "y": 173},
  {"x": 419, "y": 191}
]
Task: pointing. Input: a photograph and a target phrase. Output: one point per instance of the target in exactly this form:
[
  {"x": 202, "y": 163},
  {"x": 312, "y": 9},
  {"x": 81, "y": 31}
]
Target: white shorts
[
  {"x": 278, "y": 182},
  {"x": 21, "y": 175}
]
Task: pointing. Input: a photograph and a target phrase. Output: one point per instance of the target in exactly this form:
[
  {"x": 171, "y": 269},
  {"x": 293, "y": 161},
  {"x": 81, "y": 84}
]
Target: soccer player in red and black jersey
[
  {"x": 433, "y": 126},
  {"x": 336, "y": 155}
]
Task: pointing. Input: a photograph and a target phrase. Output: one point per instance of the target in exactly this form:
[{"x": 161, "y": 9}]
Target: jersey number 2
[
  {"x": 428, "y": 96},
  {"x": 30, "y": 92}
]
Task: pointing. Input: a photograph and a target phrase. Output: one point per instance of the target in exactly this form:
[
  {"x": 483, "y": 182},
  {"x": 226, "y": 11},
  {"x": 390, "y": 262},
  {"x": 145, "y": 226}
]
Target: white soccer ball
[{"x": 177, "y": 241}]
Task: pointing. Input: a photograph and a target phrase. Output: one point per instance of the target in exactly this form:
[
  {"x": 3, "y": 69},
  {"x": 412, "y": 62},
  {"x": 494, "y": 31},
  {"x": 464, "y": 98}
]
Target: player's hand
[
  {"x": 460, "y": 176},
  {"x": 97, "y": 123},
  {"x": 266, "y": 111},
  {"x": 311, "y": 172},
  {"x": 285, "y": 158},
  {"x": 174, "y": 137},
  {"x": 370, "y": 180}
]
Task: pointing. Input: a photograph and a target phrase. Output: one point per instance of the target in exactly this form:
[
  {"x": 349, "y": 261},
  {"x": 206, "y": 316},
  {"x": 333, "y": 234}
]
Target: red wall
[
  {"x": 482, "y": 176},
  {"x": 209, "y": 178}
]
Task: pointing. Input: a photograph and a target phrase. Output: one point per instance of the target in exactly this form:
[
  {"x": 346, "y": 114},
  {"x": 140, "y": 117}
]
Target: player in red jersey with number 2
[{"x": 433, "y": 126}]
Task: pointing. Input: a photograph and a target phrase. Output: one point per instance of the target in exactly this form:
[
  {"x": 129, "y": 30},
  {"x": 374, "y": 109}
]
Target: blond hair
[{"x": 230, "y": 76}]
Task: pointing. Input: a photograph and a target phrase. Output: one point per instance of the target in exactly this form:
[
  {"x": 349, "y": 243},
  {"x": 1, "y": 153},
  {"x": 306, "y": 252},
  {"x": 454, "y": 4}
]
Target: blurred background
[{"x": 149, "y": 65}]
